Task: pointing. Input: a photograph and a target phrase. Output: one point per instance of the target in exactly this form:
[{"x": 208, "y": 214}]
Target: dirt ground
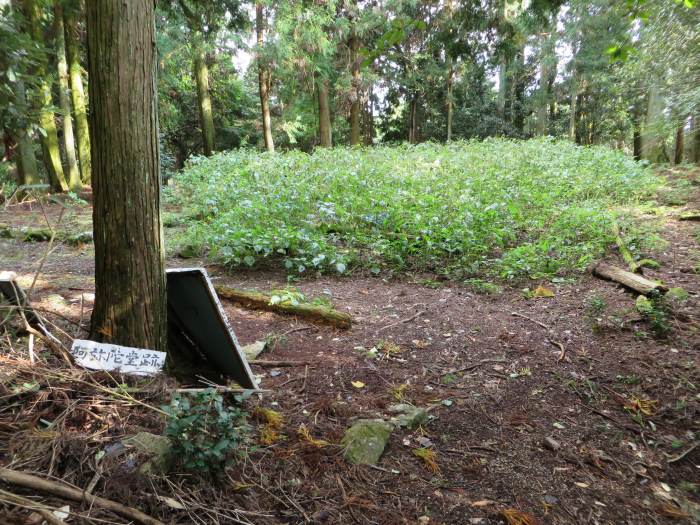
[{"x": 500, "y": 373}]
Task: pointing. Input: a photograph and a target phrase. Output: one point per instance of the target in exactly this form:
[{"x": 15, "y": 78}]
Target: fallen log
[
  {"x": 692, "y": 215},
  {"x": 261, "y": 301},
  {"x": 627, "y": 279},
  {"x": 634, "y": 266},
  {"x": 64, "y": 490}
]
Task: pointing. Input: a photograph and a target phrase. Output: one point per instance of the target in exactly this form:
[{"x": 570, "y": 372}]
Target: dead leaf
[
  {"x": 518, "y": 517},
  {"x": 542, "y": 292},
  {"x": 357, "y": 384},
  {"x": 482, "y": 503},
  {"x": 172, "y": 503}
]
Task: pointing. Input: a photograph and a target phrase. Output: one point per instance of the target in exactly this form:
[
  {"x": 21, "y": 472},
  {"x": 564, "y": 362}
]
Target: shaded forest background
[{"x": 297, "y": 74}]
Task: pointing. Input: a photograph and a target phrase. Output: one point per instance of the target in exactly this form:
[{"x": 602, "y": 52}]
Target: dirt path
[{"x": 501, "y": 373}]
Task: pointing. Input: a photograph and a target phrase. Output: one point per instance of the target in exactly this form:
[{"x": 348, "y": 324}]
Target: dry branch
[
  {"x": 261, "y": 301},
  {"x": 66, "y": 491},
  {"x": 627, "y": 279}
]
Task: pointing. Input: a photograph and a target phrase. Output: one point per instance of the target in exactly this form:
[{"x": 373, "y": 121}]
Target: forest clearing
[{"x": 349, "y": 261}]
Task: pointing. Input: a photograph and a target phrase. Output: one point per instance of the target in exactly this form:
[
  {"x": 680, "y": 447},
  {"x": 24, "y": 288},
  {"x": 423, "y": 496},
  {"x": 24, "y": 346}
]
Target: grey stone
[{"x": 364, "y": 442}]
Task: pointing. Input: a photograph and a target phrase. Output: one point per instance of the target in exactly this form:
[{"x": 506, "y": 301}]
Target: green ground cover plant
[{"x": 498, "y": 207}]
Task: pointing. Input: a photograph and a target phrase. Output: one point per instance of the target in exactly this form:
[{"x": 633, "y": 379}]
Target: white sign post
[{"x": 123, "y": 359}]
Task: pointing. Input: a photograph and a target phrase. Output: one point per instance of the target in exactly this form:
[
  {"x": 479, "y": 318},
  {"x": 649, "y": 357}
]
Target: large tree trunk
[
  {"x": 680, "y": 144},
  {"x": 47, "y": 121},
  {"x": 130, "y": 296},
  {"x": 206, "y": 117},
  {"x": 324, "y": 115},
  {"x": 74, "y": 181},
  {"x": 77, "y": 92},
  {"x": 264, "y": 80},
  {"x": 355, "y": 90}
]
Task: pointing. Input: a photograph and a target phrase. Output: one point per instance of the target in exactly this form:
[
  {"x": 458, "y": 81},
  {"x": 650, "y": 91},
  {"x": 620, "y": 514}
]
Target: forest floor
[{"x": 563, "y": 409}]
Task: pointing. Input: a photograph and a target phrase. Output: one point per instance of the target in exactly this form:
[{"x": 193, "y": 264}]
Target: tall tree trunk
[
  {"x": 502, "y": 63},
  {"x": 47, "y": 121},
  {"x": 77, "y": 92},
  {"x": 652, "y": 141},
  {"x": 355, "y": 90},
  {"x": 680, "y": 144},
  {"x": 369, "y": 117},
  {"x": 264, "y": 80},
  {"x": 449, "y": 103},
  {"x": 573, "y": 107},
  {"x": 547, "y": 56},
  {"x": 74, "y": 182},
  {"x": 413, "y": 120},
  {"x": 518, "y": 98},
  {"x": 696, "y": 140},
  {"x": 25, "y": 158},
  {"x": 201, "y": 75},
  {"x": 130, "y": 295},
  {"x": 324, "y": 114}
]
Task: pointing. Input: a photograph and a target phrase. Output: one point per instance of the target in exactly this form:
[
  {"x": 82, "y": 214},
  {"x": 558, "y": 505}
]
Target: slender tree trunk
[
  {"x": 547, "y": 56},
  {"x": 206, "y": 117},
  {"x": 77, "y": 92},
  {"x": 355, "y": 90},
  {"x": 324, "y": 115},
  {"x": 47, "y": 121},
  {"x": 25, "y": 150},
  {"x": 680, "y": 144},
  {"x": 264, "y": 80},
  {"x": 130, "y": 295},
  {"x": 74, "y": 182},
  {"x": 502, "y": 63}
]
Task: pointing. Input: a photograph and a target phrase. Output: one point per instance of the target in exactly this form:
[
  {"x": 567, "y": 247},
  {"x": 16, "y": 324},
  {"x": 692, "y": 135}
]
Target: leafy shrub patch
[{"x": 501, "y": 207}]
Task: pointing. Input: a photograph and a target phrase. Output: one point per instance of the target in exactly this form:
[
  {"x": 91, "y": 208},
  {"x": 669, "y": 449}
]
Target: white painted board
[{"x": 123, "y": 359}]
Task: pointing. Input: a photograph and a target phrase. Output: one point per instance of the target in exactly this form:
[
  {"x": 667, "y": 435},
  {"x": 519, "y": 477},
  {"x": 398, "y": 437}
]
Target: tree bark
[
  {"x": 74, "y": 181},
  {"x": 130, "y": 294},
  {"x": 355, "y": 90},
  {"x": 206, "y": 117},
  {"x": 324, "y": 114},
  {"x": 47, "y": 121},
  {"x": 82, "y": 129},
  {"x": 264, "y": 80}
]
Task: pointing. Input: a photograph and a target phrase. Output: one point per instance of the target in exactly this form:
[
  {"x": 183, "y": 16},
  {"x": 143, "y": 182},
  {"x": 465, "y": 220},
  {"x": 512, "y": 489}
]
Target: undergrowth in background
[{"x": 501, "y": 207}]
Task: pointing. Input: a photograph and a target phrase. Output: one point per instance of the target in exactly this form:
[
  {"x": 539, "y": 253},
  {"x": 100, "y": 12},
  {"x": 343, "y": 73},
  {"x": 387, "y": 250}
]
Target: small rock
[
  {"x": 364, "y": 442},
  {"x": 409, "y": 416},
  {"x": 156, "y": 447},
  {"x": 551, "y": 444},
  {"x": 253, "y": 350},
  {"x": 550, "y": 500}
]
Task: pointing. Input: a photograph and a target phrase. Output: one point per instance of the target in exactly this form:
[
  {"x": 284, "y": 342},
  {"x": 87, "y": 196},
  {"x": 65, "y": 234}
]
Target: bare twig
[
  {"x": 403, "y": 321},
  {"x": 39, "y": 508},
  {"x": 523, "y": 316},
  {"x": 66, "y": 491},
  {"x": 684, "y": 454}
]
